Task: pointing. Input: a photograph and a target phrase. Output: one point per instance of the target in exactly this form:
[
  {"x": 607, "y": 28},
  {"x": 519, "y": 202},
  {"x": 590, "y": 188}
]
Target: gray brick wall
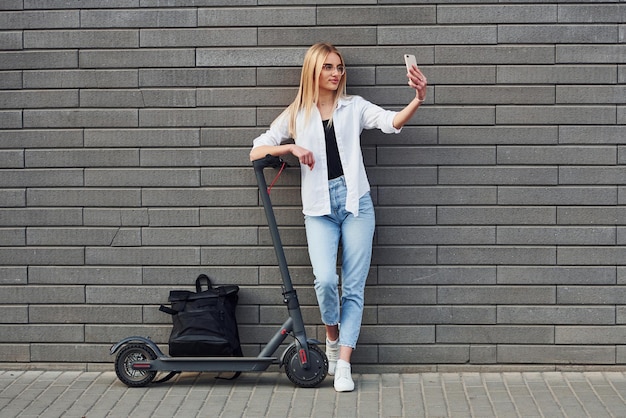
[{"x": 124, "y": 135}]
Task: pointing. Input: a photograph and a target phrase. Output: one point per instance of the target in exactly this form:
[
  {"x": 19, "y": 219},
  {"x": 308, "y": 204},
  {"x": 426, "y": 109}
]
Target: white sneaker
[
  {"x": 343, "y": 377},
  {"x": 332, "y": 353}
]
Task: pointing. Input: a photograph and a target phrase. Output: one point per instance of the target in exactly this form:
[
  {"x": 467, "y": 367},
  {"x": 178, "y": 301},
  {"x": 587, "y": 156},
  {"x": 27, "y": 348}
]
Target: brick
[
  {"x": 560, "y": 195},
  {"x": 261, "y": 16},
  {"x": 557, "y": 74},
  {"x": 556, "y": 275},
  {"x": 50, "y": 19},
  {"x": 64, "y": 39},
  {"x": 436, "y": 275},
  {"x": 590, "y": 95},
  {"x": 40, "y": 138},
  {"x": 426, "y": 353},
  {"x": 84, "y": 197},
  {"x": 186, "y": 276},
  {"x": 248, "y": 256},
  {"x": 130, "y": 256},
  {"x": 308, "y": 36},
  {"x": 456, "y": 34},
  {"x": 550, "y": 354},
  {"x": 591, "y": 175},
  {"x": 495, "y": 334},
  {"x": 54, "y": 314},
  {"x": 138, "y": 98},
  {"x": 164, "y": 177},
  {"x": 137, "y": 58},
  {"x": 115, "y": 217},
  {"x": 175, "y": 217},
  {"x": 199, "y": 236},
  {"x": 440, "y": 155},
  {"x": 71, "y": 353},
  {"x": 454, "y": 14},
  {"x": 70, "y": 236},
  {"x": 435, "y": 235},
  {"x": 89, "y": 118},
  {"x": 375, "y": 15},
  {"x": 84, "y": 275},
  {"x": 142, "y": 137},
  {"x": 11, "y": 80},
  {"x": 436, "y": 315},
  {"x": 41, "y": 178},
  {"x": 15, "y": 352},
  {"x": 592, "y": 54},
  {"x": 596, "y": 295},
  {"x": 11, "y": 119},
  {"x": 559, "y": 315},
  {"x": 12, "y": 198},
  {"x": 81, "y": 158},
  {"x": 38, "y": 98},
  {"x": 498, "y": 175},
  {"x": 29, "y": 294},
  {"x": 436, "y": 195},
  {"x": 495, "y": 54},
  {"x": 404, "y": 256},
  {"x": 180, "y": 17},
  {"x": 196, "y": 77},
  {"x": 199, "y": 197},
  {"x": 496, "y": 255},
  {"x": 11, "y": 159},
  {"x": 528, "y": 34},
  {"x": 41, "y": 256},
  {"x": 591, "y": 115},
  {"x": 561, "y": 155},
  {"x": 498, "y": 135},
  {"x": 32, "y": 60},
  {"x": 13, "y": 275},
  {"x": 600, "y": 335},
  {"x": 203, "y": 37},
  {"x": 591, "y": 215},
  {"x": 14, "y": 314},
  {"x": 560, "y": 235},
  {"x": 483, "y": 354},
  {"x": 41, "y": 333},
  {"x": 494, "y": 95},
  {"x": 196, "y": 117},
  {"x": 103, "y": 333},
  {"x": 244, "y": 96},
  {"x": 39, "y": 79},
  {"x": 11, "y": 40},
  {"x": 390, "y": 176},
  {"x": 12, "y": 237},
  {"x": 41, "y": 216},
  {"x": 496, "y": 295},
  {"x": 596, "y": 13},
  {"x": 246, "y": 57}
]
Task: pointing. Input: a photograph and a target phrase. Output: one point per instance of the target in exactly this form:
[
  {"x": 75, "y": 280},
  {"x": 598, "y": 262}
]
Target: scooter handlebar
[{"x": 267, "y": 161}]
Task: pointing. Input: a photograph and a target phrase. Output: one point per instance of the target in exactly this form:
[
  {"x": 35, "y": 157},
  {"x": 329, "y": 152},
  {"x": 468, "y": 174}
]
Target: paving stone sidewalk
[{"x": 508, "y": 394}]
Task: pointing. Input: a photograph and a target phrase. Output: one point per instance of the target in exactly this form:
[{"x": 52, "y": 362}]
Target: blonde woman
[{"x": 325, "y": 124}]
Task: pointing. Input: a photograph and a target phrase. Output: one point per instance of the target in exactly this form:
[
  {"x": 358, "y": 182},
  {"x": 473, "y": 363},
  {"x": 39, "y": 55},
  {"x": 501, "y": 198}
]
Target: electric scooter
[{"x": 139, "y": 359}]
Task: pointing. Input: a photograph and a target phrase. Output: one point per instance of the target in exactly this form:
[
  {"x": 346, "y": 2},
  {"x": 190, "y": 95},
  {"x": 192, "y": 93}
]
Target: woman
[{"x": 326, "y": 124}]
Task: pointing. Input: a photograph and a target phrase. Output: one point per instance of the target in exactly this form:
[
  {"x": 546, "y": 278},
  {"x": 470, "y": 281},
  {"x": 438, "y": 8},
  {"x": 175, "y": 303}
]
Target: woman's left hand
[{"x": 417, "y": 80}]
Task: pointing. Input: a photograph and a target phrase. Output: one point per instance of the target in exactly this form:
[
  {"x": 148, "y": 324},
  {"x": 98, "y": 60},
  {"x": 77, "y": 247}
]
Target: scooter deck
[{"x": 207, "y": 364}]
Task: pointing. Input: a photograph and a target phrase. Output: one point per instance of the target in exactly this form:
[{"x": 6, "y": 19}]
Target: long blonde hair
[{"x": 308, "y": 92}]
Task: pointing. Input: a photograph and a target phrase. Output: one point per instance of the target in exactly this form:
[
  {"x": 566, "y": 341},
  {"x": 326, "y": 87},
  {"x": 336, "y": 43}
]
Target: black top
[{"x": 333, "y": 160}]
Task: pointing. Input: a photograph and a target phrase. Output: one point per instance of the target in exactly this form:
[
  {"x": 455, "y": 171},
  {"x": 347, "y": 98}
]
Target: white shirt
[{"x": 353, "y": 114}]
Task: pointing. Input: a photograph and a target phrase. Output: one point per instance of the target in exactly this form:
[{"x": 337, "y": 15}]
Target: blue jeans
[{"x": 324, "y": 233}]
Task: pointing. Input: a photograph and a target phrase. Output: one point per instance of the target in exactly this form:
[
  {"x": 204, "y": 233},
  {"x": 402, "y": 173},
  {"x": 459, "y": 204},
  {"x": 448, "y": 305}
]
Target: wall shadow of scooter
[{"x": 139, "y": 359}]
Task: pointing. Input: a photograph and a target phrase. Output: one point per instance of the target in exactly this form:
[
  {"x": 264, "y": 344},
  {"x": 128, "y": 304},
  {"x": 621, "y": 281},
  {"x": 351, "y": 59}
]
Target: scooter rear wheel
[
  {"x": 306, "y": 378},
  {"x": 124, "y": 361}
]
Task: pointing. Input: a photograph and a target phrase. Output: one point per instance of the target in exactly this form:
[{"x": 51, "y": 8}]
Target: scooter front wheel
[
  {"x": 306, "y": 378},
  {"x": 124, "y": 365}
]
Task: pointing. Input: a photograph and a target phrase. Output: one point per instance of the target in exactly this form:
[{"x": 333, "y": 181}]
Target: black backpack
[{"x": 204, "y": 322}]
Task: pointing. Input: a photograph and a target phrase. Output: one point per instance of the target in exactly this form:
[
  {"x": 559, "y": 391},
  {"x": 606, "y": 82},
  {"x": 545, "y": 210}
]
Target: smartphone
[{"x": 409, "y": 60}]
